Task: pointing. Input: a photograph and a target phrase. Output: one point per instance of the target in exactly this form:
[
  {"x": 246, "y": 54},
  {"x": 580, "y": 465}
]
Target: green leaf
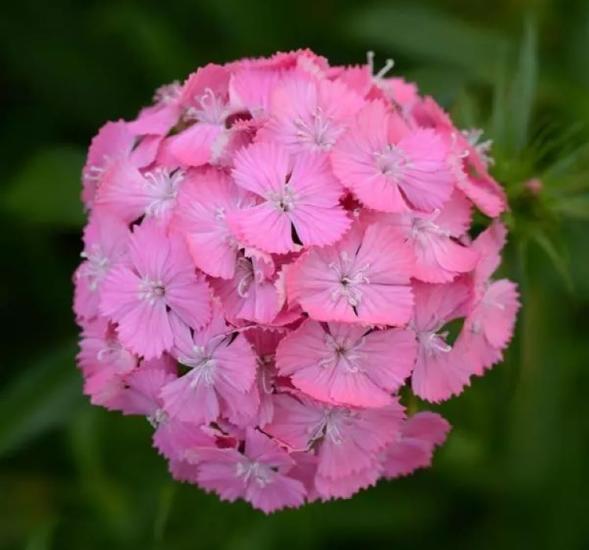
[
  {"x": 574, "y": 207},
  {"x": 42, "y": 397},
  {"x": 104, "y": 492},
  {"x": 426, "y": 33},
  {"x": 523, "y": 91},
  {"x": 556, "y": 256},
  {"x": 47, "y": 188}
]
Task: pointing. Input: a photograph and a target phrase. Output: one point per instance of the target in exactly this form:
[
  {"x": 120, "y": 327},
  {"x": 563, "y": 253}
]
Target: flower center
[
  {"x": 210, "y": 109},
  {"x": 349, "y": 280},
  {"x": 151, "y": 291},
  {"x": 344, "y": 354},
  {"x": 391, "y": 162},
  {"x": 202, "y": 364},
  {"x": 249, "y": 276},
  {"x": 255, "y": 472},
  {"x": 283, "y": 200},
  {"x": 317, "y": 132},
  {"x": 162, "y": 186},
  {"x": 434, "y": 343},
  {"x": 96, "y": 266}
]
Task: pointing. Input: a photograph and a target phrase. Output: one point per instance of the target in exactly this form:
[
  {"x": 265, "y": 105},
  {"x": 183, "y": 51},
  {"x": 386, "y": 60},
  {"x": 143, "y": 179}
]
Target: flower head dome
[{"x": 279, "y": 251}]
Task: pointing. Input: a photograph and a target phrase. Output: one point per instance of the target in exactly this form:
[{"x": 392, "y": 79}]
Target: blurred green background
[{"x": 514, "y": 471}]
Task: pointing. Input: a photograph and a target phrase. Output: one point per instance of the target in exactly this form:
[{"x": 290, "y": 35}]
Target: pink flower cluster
[{"x": 274, "y": 250}]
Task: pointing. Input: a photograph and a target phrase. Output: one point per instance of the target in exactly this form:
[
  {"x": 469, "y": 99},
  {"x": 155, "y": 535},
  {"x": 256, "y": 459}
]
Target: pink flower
[
  {"x": 113, "y": 141},
  {"x": 347, "y": 440},
  {"x": 440, "y": 371},
  {"x": 414, "y": 447},
  {"x": 391, "y": 168},
  {"x": 105, "y": 243},
  {"x": 163, "y": 115},
  {"x": 222, "y": 370},
  {"x": 345, "y": 364},
  {"x": 277, "y": 250},
  {"x": 297, "y": 194},
  {"x": 309, "y": 114},
  {"x": 468, "y": 160},
  {"x": 206, "y": 105},
  {"x": 252, "y": 294},
  {"x": 156, "y": 284},
  {"x": 489, "y": 326},
  {"x": 250, "y": 90},
  {"x": 264, "y": 342},
  {"x": 130, "y": 194},
  {"x": 363, "y": 278},
  {"x": 259, "y": 474},
  {"x": 439, "y": 255},
  {"x": 205, "y": 202},
  {"x": 104, "y": 363}
]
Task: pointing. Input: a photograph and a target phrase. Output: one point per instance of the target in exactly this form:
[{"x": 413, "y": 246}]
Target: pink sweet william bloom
[
  {"x": 252, "y": 294},
  {"x": 344, "y": 364},
  {"x": 440, "y": 371},
  {"x": 205, "y": 98},
  {"x": 347, "y": 440},
  {"x": 130, "y": 194},
  {"x": 278, "y": 249},
  {"x": 439, "y": 255},
  {"x": 113, "y": 141},
  {"x": 259, "y": 474},
  {"x": 391, "y": 168},
  {"x": 205, "y": 202},
  {"x": 296, "y": 194},
  {"x": 105, "y": 244},
  {"x": 363, "y": 278},
  {"x": 163, "y": 115},
  {"x": 250, "y": 90},
  {"x": 309, "y": 114},
  {"x": 264, "y": 342},
  {"x": 104, "y": 363},
  {"x": 468, "y": 161},
  {"x": 414, "y": 447},
  {"x": 156, "y": 284},
  {"x": 174, "y": 439},
  {"x": 221, "y": 372},
  {"x": 489, "y": 325}
]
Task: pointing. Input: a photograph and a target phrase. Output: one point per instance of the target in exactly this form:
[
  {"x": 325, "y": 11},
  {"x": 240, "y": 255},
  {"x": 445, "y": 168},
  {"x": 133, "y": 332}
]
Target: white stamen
[
  {"x": 389, "y": 64},
  {"x": 434, "y": 343},
  {"x": 350, "y": 278},
  {"x": 157, "y": 418},
  {"x": 317, "y": 133},
  {"x": 162, "y": 186},
  {"x": 283, "y": 200},
  {"x": 95, "y": 268},
  {"x": 392, "y": 161},
  {"x": 255, "y": 472},
  {"x": 168, "y": 93},
  {"x": 210, "y": 109},
  {"x": 151, "y": 290}
]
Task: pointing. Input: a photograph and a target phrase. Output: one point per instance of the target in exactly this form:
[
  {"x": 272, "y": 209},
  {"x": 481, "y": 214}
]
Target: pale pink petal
[
  {"x": 366, "y": 282},
  {"x": 344, "y": 365},
  {"x": 261, "y": 168},
  {"x": 266, "y": 227},
  {"x": 347, "y": 486},
  {"x": 204, "y": 203},
  {"x": 194, "y": 146},
  {"x": 439, "y": 374},
  {"x": 122, "y": 191},
  {"x": 420, "y": 434}
]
